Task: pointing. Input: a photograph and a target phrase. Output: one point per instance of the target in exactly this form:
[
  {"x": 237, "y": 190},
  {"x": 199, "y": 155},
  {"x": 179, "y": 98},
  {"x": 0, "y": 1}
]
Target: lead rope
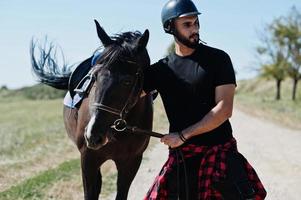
[
  {"x": 178, "y": 174},
  {"x": 185, "y": 175},
  {"x": 178, "y": 151},
  {"x": 181, "y": 136}
]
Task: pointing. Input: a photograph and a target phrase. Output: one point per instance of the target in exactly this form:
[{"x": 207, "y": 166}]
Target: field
[
  {"x": 37, "y": 159},
  {"x": 34, "y": 150},
  {"x": 257, "y": 97}
]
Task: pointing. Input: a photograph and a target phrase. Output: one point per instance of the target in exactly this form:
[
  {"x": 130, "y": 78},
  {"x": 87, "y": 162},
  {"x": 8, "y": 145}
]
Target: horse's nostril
[
  {"x": 95, "y": 139},
  {"x": 98, "y": 140},
  {"x": 96, "y": 143}
]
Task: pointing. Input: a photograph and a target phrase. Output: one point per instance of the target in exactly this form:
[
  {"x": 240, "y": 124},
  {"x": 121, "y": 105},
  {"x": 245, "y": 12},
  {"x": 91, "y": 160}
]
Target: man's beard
[{"x": 191, "y": 44}]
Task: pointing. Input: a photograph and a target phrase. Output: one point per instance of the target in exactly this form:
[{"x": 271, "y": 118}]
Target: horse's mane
[{"x": 122, "y": 48}]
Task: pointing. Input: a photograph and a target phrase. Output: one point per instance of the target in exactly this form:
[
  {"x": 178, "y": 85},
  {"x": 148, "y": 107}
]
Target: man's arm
[{"x": 224, "y": 95}]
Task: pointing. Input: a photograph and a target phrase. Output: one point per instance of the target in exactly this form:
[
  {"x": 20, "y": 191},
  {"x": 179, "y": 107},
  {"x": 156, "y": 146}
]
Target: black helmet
[{"x": 176, "y": 8}]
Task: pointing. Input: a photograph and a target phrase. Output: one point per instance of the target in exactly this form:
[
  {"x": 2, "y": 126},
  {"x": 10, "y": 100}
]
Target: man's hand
[
  {"x": 172, "y": 140},
  {"x": 142, "y": 94}
]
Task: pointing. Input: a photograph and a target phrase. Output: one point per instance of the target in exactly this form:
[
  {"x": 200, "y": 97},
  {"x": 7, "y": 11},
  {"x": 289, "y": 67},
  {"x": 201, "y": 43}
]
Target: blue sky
[{"x": 226, "y": 24}]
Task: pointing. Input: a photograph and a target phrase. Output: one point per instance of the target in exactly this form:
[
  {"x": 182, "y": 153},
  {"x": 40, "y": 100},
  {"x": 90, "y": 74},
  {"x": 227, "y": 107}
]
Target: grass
[
  {"x": 38, "y": 91},
  {"x": 33, "y": 188},
  {"x": 257, "y": 96},
  {"x": 37, "y": 159},
  {"x": 26, "y": 125},
  {"x": 32, "y": 139}
]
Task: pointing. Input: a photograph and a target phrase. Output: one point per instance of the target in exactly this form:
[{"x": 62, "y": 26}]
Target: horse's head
[{"x": 118, "y": 82}]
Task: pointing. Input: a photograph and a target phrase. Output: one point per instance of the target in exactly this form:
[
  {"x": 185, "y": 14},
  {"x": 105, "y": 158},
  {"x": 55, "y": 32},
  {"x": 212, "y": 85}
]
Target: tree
[
  {"x": 287, "y": 31},
  {"x": 171, "y": 48},
  {"x": 276, "y": 71},
  {"x": 4, "y": 87},
  {"x": 273, "y": 57}
]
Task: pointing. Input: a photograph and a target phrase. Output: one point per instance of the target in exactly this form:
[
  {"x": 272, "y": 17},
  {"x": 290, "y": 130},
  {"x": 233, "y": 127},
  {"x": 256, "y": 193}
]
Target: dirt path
[{"x": 274, "y": 151}]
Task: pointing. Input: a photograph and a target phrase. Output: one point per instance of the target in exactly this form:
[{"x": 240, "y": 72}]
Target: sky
[{"x": 230, "y": 25}]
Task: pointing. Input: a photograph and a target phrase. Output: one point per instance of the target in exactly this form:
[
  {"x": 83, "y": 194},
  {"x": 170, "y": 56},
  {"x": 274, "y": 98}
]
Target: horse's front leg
[
  {"x": 127, "y": 170},
  {"x": 91, "y": 175}
]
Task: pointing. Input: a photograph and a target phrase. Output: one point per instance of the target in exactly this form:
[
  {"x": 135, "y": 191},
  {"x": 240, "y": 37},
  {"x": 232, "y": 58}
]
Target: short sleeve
[
  {"x": 224, "y": 72},
  {"x": 151, "y": 78}
]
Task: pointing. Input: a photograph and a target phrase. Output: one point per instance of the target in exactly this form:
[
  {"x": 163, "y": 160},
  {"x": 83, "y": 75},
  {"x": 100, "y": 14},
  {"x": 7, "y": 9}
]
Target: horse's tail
[{"x": 46, "y": 68}]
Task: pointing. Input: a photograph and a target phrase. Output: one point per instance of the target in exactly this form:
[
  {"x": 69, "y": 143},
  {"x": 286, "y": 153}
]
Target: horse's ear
[
  {"x": 102, "y": 35},
  {"x": 143, "y": 40}
]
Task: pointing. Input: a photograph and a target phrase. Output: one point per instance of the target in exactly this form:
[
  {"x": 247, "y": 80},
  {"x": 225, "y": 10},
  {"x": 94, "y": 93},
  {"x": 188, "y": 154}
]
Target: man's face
[{"x": 187, "y": 31}]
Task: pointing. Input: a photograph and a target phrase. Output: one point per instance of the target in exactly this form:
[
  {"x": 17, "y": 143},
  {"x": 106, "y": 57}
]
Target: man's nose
[
  {"x": 195, "y": 28},
  {"x": 195, "y": 31}
]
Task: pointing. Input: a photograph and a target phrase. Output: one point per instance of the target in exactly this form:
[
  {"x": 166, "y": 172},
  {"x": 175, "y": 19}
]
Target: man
[{"x": 197, "y": 85}]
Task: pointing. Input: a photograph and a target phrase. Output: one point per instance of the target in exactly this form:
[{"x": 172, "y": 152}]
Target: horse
[{"x": 113, "y": 98}]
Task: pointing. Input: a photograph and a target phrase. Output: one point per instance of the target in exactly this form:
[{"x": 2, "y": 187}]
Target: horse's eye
[{"x": 127, "y": 82}]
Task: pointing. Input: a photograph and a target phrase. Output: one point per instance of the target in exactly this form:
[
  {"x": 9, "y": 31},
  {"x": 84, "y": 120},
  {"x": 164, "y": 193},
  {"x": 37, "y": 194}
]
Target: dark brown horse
[{"x": 114, "y": 95}]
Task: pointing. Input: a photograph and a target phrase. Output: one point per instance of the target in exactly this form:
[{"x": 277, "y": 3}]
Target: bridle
[{"x": 120, "y": 124}]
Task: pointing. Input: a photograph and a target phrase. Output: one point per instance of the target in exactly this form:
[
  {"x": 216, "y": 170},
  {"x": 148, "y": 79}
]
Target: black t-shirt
[{"x": 187, "y": 88}]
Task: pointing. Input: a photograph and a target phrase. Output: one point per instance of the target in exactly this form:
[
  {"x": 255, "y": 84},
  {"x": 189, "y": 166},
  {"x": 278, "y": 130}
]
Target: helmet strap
[{"x": 170, "y": 27}]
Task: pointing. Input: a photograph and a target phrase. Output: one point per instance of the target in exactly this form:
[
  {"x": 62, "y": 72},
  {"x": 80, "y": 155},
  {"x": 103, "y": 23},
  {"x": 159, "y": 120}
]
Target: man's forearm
[{"x": 218, "y": 115}]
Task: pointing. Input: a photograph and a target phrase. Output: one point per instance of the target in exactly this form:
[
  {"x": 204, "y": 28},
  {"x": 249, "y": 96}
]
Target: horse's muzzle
[
  {"x": 95, "y": 143},
  {"x": 93, "y": 136}
]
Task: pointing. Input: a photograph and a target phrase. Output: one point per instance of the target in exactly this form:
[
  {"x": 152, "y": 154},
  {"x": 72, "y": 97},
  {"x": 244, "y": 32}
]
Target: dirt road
[{"x": 274, "y": 151}]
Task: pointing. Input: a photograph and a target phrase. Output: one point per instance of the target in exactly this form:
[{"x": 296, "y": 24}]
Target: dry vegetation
[{"x": 37, "y": 159}]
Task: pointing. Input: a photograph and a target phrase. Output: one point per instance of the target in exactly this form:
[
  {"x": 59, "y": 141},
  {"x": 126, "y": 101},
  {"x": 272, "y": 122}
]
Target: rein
[{"x": 121, "y": 125}]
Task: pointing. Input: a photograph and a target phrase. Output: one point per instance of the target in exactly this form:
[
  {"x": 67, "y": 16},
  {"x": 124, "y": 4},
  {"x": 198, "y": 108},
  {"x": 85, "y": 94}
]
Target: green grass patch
[
  {"x": 109, "y": 184},
  {"x": 38, "y": 91},
  {"x": 33, "y": 138},
  {"x": 257, "y": 96},
  {"x": 27, "y": 125},
  {"x": 33, "y": 188},
  {"x": 34, "y": 144}
]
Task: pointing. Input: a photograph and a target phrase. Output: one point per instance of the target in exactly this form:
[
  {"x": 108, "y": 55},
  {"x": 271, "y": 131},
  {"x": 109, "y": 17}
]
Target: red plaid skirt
[{"x": 212, "y": 168}]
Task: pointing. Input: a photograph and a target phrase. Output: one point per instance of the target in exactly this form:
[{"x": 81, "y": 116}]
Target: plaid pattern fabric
[{"x": 212, "y": 169}]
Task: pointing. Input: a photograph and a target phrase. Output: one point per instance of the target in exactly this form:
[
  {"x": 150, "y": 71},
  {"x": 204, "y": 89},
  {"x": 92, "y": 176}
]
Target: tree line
[{"x": 280, "y": 51}]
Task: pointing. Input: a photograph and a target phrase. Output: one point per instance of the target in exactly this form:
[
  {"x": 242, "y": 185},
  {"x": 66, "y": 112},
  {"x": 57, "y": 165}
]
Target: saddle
[{"x": 80, "y": 79}]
